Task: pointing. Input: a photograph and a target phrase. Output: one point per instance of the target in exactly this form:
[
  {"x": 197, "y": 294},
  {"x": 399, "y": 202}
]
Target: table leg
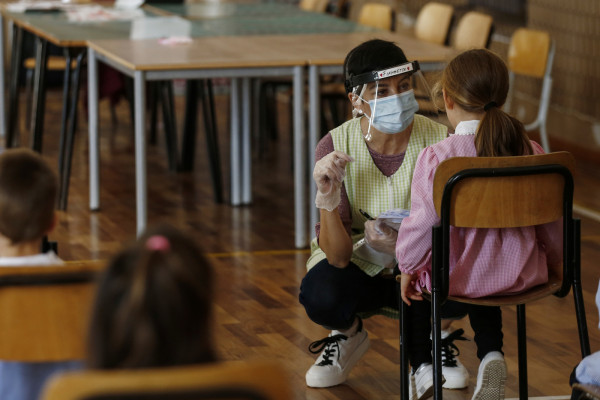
[
  {"x": 94, "y": 143},
  {"x": 314, "y": 122},
  {"x": 246, "y": 147},
  {"x": 2, "y": 82},
  {"x": 299, "y": 158},
  {"x": 139, "y": 95},
  {"x": 235, "y": 145}
]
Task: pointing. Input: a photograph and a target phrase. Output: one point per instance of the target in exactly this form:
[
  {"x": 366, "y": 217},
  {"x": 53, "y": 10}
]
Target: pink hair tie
[{"x": 158, "y": 243}]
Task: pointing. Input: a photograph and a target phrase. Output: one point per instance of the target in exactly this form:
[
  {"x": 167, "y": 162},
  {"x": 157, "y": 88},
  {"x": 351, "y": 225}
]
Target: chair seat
[
  {"x": 538, "y": 292},
  {"x": 535, "y": 293}
]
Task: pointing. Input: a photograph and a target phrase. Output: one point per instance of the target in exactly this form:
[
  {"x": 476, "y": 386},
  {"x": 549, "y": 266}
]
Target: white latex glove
[
  {"x": 380, "y": 236},
  {"x": 329, "y": 173}
]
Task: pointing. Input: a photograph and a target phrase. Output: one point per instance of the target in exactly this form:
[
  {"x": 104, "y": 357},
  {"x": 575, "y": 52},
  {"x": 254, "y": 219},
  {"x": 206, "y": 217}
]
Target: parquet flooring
[{"x": 257, "y": 314}]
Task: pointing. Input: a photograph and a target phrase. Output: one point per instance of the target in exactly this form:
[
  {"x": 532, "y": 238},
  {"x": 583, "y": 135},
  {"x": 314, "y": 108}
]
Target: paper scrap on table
[
  {"x": 160, "y": 27},
  {"x": 22, "y": 6},
  {"x": 99, "y": 13},
  {"x": 128, "y": 4},
  {"x": 175, "y": 40}
]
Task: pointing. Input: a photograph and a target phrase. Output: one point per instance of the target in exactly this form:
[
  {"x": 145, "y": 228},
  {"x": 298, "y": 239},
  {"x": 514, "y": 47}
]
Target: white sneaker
[
  {"x": 491, "y": 377},
  {"x": 340, "y": 354},
  {"x": 456, "y": 375},
  {"x": 421, "y": 383}
]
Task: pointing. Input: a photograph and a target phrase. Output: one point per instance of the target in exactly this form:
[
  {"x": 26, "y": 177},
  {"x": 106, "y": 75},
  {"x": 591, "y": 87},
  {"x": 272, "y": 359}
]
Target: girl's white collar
[{"x": 467, "y": 127}]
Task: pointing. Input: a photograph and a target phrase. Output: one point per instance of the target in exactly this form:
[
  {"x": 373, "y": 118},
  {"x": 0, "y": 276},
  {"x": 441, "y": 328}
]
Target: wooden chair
[
  {"x": 44, "y": 311},
  {"x": 432, "y": 25},
  {"x": 591, "y": 392},
  {"x": 433, "y": 22},
  {"x": 314, "y": 5},
  {"x": 377, "y": 15},
  {"x": 531, "y": 53},
  {"x": 473, "y": 31},
  {"x": 239, "y": 380},
  {"x": 504, "y": 192}
]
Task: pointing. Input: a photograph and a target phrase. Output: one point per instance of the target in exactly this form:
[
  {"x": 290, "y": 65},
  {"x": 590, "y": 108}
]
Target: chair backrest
[
  {"x": 240, "y": 380},
  {"x": 474, "y": 31},
  {"x": 433, "y": 22},
  {"x": 44, "y": 311},
  {"x": 314, "y": 5},
  {"x": 529, "y": 51},
  {"x": 497, "y": 201},
  {"x": 505, "y": 192},
  {"x": 377, "y": 15}
]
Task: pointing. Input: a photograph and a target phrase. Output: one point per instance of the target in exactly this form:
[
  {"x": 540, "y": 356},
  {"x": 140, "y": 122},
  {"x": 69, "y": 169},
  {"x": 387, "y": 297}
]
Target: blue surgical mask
[{"x": 393, "y": 114}]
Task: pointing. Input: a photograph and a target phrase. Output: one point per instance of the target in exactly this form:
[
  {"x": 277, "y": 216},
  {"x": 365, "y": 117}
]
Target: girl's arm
[
  {"x": 550, "y": 237},
  {"x": 413, "y": 248}
]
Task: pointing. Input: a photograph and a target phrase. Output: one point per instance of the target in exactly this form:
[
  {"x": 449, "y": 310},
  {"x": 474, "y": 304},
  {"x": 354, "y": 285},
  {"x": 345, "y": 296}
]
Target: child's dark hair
[
  {"x": 28, "y": 189},
  {"x": 153, "y": 305},
  {"x": 477, "y": 80},
  {"x": 372, "y": 55}
]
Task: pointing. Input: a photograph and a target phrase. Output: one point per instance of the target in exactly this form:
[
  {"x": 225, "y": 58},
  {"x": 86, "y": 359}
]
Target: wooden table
[
  {"x": 278, "y": 48},
  {"x": 239, "y": 57},
  {"x": 274, "y": 53},
  {"x": 52, "y": 27}
]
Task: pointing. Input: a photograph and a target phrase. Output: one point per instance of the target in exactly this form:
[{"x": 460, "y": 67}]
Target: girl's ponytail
[
  {"x": 477, "y": 80},
  {"x": 499, "y": 134}
]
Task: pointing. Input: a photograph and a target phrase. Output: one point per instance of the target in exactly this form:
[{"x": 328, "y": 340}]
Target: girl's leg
[
  {"x": 419, "y": 329},
  {"x": 487, "y": 325},
  {"x": 491, "y": 375}
]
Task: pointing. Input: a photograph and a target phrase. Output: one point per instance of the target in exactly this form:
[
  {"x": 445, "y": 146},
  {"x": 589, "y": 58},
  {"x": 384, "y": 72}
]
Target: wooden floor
[{"x": 257, "y": 314}]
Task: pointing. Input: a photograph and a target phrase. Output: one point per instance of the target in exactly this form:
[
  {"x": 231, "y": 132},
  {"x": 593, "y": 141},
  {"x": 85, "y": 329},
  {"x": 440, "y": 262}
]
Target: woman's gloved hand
[
  {"x": 329, "y": 173},
  {"x": 380, "y": 236}
]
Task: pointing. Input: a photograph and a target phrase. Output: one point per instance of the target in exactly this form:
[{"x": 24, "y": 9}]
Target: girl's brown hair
[
  {"x": 477, "y": 80},
  {"x": 153, "y": 305}
]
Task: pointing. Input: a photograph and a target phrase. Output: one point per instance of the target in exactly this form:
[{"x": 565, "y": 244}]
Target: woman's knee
[
  {"x": 325, "y": 295},
  {"x": 319, "y": 288}
]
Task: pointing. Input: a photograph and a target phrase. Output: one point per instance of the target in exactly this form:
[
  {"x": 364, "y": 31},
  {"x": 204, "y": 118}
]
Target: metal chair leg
[
  {"x": 170, "y": 127},
  {"x": 212, "y": 139},
  {"x": 522, "y": 351},
  {"x": 153, "y": 99},
  {"x": 39, "y": 93},
  {"x": 404, "y": 370},
  {"x": 71, "y": 129},
  {"x": 28, "y": 98},
  {"x": 188, "y": 149},
  {"x": 437, "y": 341},
  {"x": 584, "y": 340},
  {"x": 13, "y": 94},
  {"x": 64, "y": 118}
]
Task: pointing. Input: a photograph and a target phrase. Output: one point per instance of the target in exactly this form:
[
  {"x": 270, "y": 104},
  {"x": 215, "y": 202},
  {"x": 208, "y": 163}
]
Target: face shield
[{"x": 386, "y": 97}]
